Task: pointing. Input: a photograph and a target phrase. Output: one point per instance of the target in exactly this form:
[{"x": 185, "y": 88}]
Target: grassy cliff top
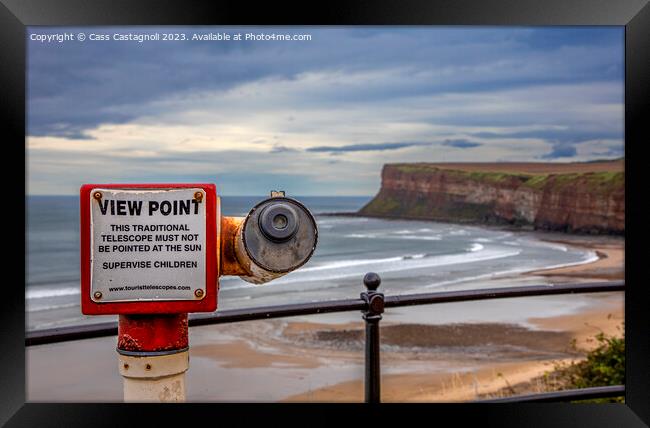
[
  {"x": 516, "y": 168},
  {"x": 599, "y": 176}
]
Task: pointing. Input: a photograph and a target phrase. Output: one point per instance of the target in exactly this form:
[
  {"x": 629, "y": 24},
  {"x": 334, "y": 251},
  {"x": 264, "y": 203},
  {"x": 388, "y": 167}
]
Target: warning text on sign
[{"x": 155, "y": 238}]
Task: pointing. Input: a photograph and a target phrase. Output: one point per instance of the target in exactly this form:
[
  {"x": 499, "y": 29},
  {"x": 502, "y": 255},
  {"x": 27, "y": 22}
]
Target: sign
[{"x": 148, "y": 248}]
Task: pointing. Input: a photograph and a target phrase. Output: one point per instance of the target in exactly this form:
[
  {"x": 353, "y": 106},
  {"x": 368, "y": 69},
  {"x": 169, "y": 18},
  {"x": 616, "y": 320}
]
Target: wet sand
[
  {"x": 609, "y": 266},
  {"x": 305, "y": 361}
]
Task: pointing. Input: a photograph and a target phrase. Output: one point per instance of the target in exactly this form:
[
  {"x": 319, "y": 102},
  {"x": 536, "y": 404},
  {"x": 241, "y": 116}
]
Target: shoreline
[{"x": 609, "y": 266}]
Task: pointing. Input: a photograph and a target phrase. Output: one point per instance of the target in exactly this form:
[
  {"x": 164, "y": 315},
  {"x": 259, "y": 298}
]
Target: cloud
[
  {"x": 362, "y": 147},
  {"x": 73, "y": 87},
  {"x": 277, "y": 148},
  {"x": 613, "y": 152},
  {"x": 568, "y": 135},
  {"x": 561, "y": 150},
  {"x": 142, "y": 111},
  {"x": 461, "y": 144}
]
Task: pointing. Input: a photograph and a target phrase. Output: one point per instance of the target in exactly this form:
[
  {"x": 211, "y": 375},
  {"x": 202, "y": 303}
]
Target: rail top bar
[
  {"x": 566, "y": 395},
  {"x": 87, "y": 331}
]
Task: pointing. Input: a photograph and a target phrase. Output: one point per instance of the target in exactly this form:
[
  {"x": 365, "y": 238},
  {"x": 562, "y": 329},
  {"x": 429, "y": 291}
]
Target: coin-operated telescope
[
  {"x": 152, "y": 253},
  {"x": 276, "y": 237}
]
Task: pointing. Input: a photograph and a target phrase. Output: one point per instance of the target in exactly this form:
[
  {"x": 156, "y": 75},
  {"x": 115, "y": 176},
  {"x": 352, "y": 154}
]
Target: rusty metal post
[
  {"x": 372, "y": 315},
  {"x": 153, "y": 356}
]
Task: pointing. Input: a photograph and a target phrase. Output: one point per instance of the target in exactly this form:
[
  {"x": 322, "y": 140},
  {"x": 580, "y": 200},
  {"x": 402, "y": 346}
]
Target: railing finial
[{"x": 371, "y": 280}]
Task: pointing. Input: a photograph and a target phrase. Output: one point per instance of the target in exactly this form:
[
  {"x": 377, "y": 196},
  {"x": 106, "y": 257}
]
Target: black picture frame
[{"x": 15, "y": 15}]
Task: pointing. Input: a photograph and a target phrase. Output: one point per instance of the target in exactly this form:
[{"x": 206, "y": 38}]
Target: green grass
[
  {"x": 414, "y": 168},
  {"x": 606, "y": 181},
  {"x": 537, "y": 181},
  {"x": 382, "y": 205},
  {"x": 598, "y": 183},
  {"x": 497, "y": 177},
  {"x": 595, "y": 180},
  {"x": 490, "y": 177}
]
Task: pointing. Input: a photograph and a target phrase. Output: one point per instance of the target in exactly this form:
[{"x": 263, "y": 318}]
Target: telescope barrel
[{"x": 277, "y": 236}]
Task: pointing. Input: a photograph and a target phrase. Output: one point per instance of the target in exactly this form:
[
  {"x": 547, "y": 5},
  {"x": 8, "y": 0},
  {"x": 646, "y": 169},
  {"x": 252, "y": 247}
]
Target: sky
[{"x": 318, "y": 116}]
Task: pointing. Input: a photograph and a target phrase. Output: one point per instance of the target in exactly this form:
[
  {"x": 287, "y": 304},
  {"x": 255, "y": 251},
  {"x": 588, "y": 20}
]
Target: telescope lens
[{"x": 280, "y": 221}]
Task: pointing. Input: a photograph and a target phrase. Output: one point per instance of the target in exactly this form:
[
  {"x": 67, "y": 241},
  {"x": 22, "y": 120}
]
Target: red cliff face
[
  {"x": 582, "y": 205},
  {"x": 583, "y": 202}
]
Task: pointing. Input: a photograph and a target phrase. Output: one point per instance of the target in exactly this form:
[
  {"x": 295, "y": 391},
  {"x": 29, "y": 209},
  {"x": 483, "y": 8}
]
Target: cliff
[{"x": 578, "y": 197}]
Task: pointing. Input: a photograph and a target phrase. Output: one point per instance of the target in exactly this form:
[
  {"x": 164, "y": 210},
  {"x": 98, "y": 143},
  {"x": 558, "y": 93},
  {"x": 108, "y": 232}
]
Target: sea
[{"x": 410, "y": 257}]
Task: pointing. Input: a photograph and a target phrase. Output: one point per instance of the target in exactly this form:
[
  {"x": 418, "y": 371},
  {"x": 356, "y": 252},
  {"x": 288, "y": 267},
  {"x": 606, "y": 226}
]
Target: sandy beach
[
  {"x": 609, "y": 266},
  {"x": 305, "y": 360},
  {"x": 506, "y": 359}
]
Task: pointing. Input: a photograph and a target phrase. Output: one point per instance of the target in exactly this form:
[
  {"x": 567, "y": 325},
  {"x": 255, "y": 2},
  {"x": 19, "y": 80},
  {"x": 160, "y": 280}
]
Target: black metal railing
[
  {"x": 371, "y": 303},
  {"x": 566, "y": 395}
]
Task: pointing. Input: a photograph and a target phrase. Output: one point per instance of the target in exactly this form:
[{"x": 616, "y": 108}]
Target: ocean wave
[
  {"x": 51, "y": 281},
  {"x": 475, "y": 247},
  {"x": 345, "y": 269},
  {"x": 421, "y": 238},
  {"x": 415, "y": 256},
  {"x": 40, "y": 308},
  {"x": 412, "y": 231},
  {"x": 474, "y": 278},
  {"x": 538, "y": 244},
  {"x": 562, "y": 248},
  {"x": 361, "y": 235},
  {"x": 591, "y": 257},
  {"x": 351, "y": 263},
  {"x": 458, "y": 232},
  {"x": 400, "y": 236},
  {"x": 38, "y": 293}
]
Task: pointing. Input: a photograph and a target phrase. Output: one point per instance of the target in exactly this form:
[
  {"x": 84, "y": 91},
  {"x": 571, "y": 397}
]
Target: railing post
[{"x": 372, "y": 315}]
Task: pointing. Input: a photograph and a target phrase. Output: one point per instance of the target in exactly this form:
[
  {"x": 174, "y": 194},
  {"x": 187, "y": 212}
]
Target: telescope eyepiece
[
  {"x": 279, "y": 222},
  {"x": 278, "y": 236}
]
